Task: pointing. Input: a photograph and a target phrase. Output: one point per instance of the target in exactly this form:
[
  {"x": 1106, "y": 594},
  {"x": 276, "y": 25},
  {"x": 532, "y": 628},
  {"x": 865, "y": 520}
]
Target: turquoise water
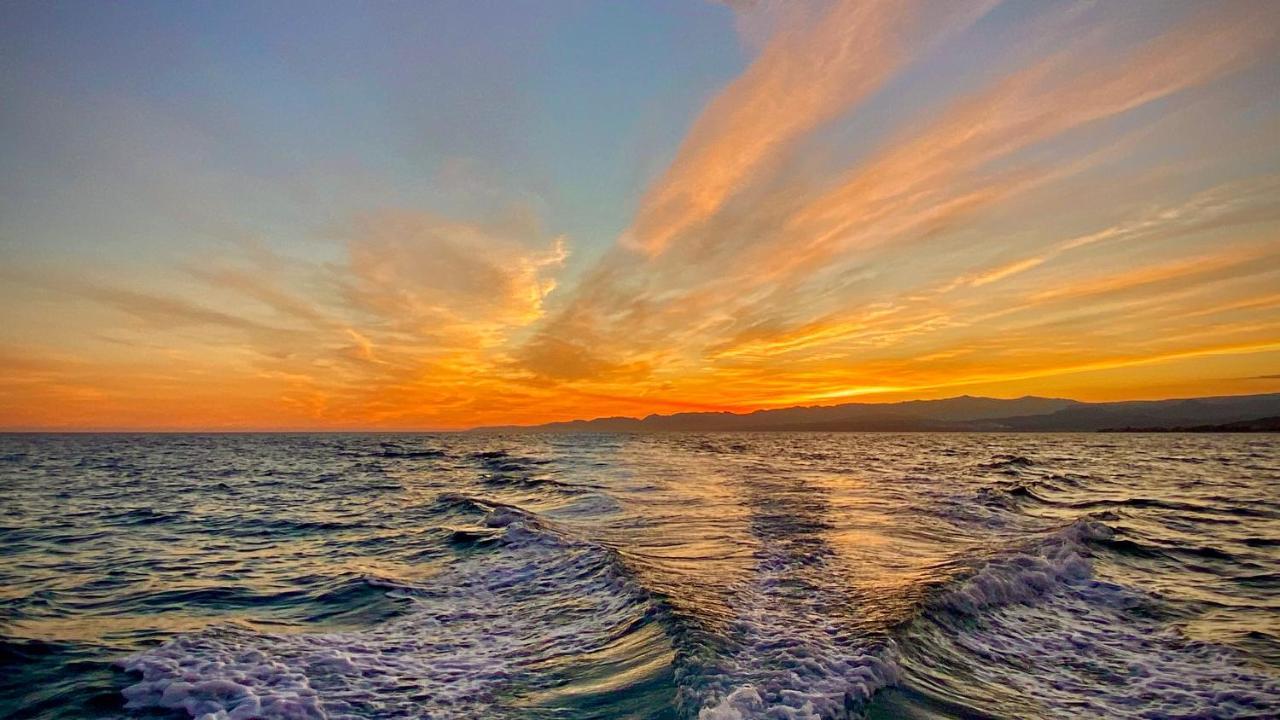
[{"x": 720, "y": 576}]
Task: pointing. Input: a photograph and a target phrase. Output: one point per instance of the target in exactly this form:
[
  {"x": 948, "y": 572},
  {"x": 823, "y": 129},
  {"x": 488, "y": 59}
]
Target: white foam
[
  {"x": 1036, "y": 631},
  {"x": 740, "y": 704},
  {"x": 790, "y": 662},
  {"x": 1059, "y": 559},
  {"x": 467, "y": 637},
  {"x": 787, "y": 659},
  {"x": 1078, "y": 652}
]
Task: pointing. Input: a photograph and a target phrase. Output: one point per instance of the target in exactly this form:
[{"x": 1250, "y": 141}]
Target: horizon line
[{"x": 47, "y": 430}]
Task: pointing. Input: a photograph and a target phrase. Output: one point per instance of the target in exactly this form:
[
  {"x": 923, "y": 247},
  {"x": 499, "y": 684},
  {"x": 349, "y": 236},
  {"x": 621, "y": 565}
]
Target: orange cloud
[
  {"x": 1056, "y": 95},
  {"x": 767, "y": 277},
  {"x": 806, "y": 76},
  {"x": 430, "y": 275},
  {"x": 406, "y": 331},
  {"x": 1139, "y": 277}
]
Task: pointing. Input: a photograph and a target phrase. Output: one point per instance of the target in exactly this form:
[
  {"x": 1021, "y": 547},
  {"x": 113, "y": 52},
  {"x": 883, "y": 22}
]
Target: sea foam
[
  {"x": 1036, "y": 629},
  {"x": 468, "y": 637}
]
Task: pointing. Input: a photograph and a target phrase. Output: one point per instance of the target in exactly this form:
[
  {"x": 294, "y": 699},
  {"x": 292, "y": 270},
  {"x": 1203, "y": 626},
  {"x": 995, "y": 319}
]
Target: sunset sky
[{"x": 288, "y": 215}]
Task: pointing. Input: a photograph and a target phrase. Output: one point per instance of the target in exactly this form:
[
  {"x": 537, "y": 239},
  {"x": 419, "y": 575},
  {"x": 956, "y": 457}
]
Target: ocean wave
[
  {"x": 528, "y": 481},
  {"x": 1034, "y": 630},
  {"x": 813, "y": 689},
  {"x": 504, "y": 461},
  {"x": 1007, "y": 462},
  {"x": 464, "y": 649},
  {"x": 144, "y": 516},
  {"x": 393, "y": 450},
  {"x": 792, "y": 650},
  {"x": 1055, "y": 560}
]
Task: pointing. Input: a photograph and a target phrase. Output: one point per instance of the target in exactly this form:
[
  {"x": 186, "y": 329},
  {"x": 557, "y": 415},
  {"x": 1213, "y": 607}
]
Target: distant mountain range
[{"x": 958, "y": 414}]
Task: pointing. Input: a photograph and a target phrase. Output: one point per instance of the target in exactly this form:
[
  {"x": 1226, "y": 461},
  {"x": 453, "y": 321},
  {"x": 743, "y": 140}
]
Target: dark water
[{"x": 720, "y": 577}]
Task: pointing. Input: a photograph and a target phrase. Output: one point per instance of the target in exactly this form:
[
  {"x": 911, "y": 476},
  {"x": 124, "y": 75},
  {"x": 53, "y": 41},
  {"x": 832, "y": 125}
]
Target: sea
[{"x": 714, "y": 576}]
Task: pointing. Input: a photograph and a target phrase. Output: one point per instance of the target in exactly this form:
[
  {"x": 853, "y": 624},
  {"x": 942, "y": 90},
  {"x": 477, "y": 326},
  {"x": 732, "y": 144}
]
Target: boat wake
[
  {"x": 494, "y": 624},
  {"x": 529, "y": 617}
]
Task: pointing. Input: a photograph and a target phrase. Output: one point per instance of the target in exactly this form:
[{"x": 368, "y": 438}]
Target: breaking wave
[
  {"x": 1036, "y": 631},
  {"x": 476, "y": 632}
]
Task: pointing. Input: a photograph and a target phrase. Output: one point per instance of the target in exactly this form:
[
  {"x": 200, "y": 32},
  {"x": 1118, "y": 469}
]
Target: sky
[{"x": 438, "y": 215}]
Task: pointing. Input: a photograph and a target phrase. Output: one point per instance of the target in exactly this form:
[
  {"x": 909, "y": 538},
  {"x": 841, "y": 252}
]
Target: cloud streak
[
  {"x": 806, "y": 76},
  {"x": 726, "y": 279}
]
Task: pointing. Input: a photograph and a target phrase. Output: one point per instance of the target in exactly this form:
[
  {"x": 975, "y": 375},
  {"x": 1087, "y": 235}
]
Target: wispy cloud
[
  {"x": 1238, "y": 203},
  {"x": 806, "y": 76},
  {"x": 739, "y": 278},
  {"x": 433, "y": 277},
  {"x": 399, "y": 332}
]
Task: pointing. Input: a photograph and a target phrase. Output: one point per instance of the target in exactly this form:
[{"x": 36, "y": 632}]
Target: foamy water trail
[
  {"x": 793, "y": 649},
  {"x": 475, "y": 631},
  {"x": 1033, "y": 629}
]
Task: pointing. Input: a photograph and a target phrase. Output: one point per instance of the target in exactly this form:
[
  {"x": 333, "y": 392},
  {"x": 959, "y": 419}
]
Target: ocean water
[{"x": 719, "y": 576}]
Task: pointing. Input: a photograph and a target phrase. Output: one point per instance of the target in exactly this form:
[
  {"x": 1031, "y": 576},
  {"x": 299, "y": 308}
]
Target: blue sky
[{"x": 153, "y": 127}]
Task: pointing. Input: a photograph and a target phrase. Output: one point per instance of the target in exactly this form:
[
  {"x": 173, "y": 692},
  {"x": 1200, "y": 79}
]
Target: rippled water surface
[{"x": 720, "y": 576}]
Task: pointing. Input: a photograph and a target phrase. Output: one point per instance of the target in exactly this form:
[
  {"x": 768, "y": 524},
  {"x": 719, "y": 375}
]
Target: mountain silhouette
[{"x": 958, "y": 414}]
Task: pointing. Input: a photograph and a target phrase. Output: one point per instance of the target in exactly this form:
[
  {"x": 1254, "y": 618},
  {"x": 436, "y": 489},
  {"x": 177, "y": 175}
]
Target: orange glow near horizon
[{"x": 1066, "y": 220}]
